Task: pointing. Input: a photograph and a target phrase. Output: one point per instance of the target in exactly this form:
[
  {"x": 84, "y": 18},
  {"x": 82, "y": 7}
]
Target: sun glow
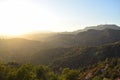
[{"x": 22, "y": 16}]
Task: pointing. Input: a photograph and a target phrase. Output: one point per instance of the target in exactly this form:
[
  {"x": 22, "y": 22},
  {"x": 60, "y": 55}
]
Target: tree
[
  {"x": 68, "y": 74},
  {"x": 97, "y": 78},
  {"x": 25, "y": 72}
]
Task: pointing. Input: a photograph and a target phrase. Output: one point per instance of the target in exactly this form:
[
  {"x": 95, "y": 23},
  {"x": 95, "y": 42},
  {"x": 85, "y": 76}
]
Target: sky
[{"x": 22, "y": 16}]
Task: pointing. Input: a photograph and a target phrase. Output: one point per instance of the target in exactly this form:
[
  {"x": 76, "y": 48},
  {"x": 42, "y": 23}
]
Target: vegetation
[{"x": 108, "y": 69}]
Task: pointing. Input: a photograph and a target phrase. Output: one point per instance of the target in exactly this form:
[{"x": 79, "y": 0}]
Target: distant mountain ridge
[
  {"x": 98, "y": 37},
  {"x": 100, "y": 27},
  {"x": 90, "y": 37}
]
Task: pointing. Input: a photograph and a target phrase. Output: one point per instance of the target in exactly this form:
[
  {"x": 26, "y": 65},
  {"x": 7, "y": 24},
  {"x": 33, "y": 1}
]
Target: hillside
[
  {"x": 86, "y": 38},
  {"x": 18, "y": 49},
  {"x": 76, "y": 57},
  {"x": 104, "y": 70},
  {"x": 97, "y": 37},
  {"x": 79, "y": 57}
]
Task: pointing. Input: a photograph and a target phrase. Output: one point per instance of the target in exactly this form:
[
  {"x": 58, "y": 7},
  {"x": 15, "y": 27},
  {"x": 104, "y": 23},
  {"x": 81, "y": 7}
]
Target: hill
[
  {"x": 86, "y": 38},
  {"x": 80, "y": 57},
  {"x": 75, "y": 57},
  {"x": 18, "y": 49}
]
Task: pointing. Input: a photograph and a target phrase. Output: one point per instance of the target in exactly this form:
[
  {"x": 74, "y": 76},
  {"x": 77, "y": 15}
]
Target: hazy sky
[{"x": 20, "y": 16}]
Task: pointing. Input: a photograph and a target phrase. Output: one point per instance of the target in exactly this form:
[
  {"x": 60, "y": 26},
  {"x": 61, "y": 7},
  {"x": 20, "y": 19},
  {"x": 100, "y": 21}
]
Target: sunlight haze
[{"x": 23, "y": 16}]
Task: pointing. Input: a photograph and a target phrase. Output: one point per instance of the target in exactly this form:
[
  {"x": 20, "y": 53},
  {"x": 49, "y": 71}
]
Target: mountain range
[{"x": 65, "y": 49}]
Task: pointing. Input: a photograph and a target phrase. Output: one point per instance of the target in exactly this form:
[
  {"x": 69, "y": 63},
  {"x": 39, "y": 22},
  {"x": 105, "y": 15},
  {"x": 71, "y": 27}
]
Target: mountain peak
[
  {"x": 105, "y": 26},
  {"x": 99, "y": 27}
]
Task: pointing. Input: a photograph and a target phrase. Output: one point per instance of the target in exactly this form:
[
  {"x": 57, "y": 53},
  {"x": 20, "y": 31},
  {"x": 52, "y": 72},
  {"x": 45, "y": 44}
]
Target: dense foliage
[
  {"x": 85, "y": 56},
  {"x": 108, "y": 69},
  {"x": 14, "y": 71}
]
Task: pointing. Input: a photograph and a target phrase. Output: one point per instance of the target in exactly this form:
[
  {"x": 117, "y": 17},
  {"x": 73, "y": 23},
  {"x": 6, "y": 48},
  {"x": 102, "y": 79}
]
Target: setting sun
[
  {"x": 12, "y": 31},
  {"x": 18, "y": 17}
]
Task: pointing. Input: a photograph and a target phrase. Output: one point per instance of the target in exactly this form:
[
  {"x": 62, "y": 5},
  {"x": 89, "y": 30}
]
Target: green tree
[
  {"x": 25, "y": 72},
  {"x": 41, "y": 72},
  {"x": 68, "y": 74},
  {"x": 97, "y": 78},
  {"x": 3, "y": 71}
]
